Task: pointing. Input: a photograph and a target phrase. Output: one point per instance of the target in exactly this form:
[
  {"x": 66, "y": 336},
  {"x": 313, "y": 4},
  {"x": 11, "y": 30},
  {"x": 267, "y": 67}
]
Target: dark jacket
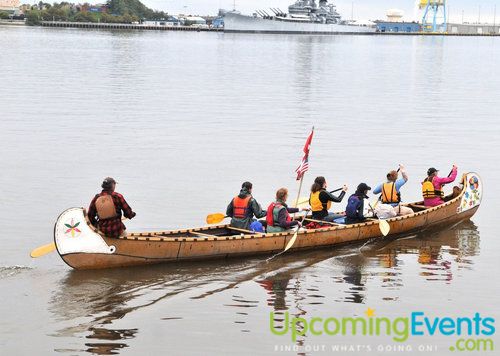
[
  {"x": 354, "y": 209},
  {"x": 254, "y": 209},
  {"x": 282, "y": 217},
  {"x": 324, "y": 197}
]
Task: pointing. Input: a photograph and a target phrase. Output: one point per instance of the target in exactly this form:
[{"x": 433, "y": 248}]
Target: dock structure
[
  {"x": 122, "y": 26},
  {"x": 452, "y": 29}
]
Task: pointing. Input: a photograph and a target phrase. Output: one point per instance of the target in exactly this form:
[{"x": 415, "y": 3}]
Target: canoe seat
[
  {"x": 418, "y": 207},
  {"x": 199, "y": 234}
]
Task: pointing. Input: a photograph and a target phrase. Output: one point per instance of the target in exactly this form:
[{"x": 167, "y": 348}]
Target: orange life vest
[
  {"x": 105, "y": 207},
  {"x": 390, "y": 195},
  {"x": 241, "y": 206}
]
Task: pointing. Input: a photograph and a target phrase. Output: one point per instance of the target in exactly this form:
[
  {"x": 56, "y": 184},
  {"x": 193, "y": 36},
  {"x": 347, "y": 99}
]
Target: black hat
[
  {"x": 108, "y": 182},
  {"x": 363, "y": 187},
  {"x": 431, "y": 171}
]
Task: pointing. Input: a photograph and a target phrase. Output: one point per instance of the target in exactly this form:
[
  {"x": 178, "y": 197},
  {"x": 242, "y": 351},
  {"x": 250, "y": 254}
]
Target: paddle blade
[
  {"x": 384, "y": 227},
  {"x": 215, "y": 218},
  {"x": 303, "y": 201},
  {"x": 292, "y": 241},
  {"x": 43, "y": 250}
]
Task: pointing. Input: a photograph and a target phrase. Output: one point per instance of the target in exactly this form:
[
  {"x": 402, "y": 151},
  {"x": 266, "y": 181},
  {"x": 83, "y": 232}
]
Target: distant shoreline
[
  {"x": 116, "y": 26},
  {"x": 124, "y": 26},
  {"x": 13, "y": 22}
]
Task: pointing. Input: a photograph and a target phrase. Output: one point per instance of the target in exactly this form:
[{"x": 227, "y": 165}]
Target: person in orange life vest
[
  {"x": 432, "y": 186},
  {"x": 105, "y": 210},
  {"x": 390, "y": 191},
  {"x": 278, "y": 213},
  {"x": 243, "y": 208},
  {"x": 321, "y": 200}
]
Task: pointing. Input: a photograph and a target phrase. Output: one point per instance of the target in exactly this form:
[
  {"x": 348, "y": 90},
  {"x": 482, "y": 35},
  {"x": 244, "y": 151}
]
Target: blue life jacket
[{"x": 353, "y": 205}]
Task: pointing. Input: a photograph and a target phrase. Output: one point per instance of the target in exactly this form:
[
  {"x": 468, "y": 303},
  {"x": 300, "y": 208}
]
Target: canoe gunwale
[{"x": 154, "y": 236}]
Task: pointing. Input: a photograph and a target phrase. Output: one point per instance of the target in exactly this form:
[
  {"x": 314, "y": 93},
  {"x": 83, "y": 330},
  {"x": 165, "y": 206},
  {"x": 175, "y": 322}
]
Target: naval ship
[{"x": 304, "y": 16}]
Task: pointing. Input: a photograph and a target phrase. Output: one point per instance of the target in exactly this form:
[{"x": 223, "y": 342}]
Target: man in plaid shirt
[{"x": 112, "y": 227}]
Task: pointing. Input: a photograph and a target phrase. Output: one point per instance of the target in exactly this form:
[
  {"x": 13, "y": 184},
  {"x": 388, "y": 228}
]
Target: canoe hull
[{"x": 89, "y": 250}]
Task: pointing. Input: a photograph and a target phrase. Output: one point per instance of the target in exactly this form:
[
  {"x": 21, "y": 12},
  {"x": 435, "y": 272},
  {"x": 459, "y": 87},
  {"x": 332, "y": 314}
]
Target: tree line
[{"x": 117, "y": 11}]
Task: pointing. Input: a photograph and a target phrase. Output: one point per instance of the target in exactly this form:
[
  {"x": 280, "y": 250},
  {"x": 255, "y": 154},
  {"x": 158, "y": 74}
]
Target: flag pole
[
  {"x": 300, "y": 188},
  {"x": 302, "y": 179}
]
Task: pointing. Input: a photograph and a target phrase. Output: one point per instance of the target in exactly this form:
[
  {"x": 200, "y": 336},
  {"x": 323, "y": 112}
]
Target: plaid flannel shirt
[{"x": 113, "y": 227}]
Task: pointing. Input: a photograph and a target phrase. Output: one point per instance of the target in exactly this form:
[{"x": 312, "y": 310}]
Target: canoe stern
[{"x": 72, "y": 234}]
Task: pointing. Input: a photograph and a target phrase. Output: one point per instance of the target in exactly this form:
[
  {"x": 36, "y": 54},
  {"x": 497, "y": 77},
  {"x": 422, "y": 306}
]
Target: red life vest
[
  {"x": 240, "y": 207},
  {"x": 272, "y": 215}
]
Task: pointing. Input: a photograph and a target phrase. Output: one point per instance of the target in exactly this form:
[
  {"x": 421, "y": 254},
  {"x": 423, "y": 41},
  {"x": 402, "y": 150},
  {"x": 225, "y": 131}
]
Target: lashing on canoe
[{"x": 82, "y": 246}]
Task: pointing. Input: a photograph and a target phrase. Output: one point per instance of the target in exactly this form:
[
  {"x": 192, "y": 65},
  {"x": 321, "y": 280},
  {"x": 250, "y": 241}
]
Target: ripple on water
[{"x": 9, "y": 271}]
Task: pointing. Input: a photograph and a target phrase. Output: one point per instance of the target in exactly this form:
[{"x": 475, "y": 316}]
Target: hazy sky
[{"x": 363, "y": 9}]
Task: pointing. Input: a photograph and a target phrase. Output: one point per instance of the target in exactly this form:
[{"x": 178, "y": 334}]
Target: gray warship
[{"x": 304, "y": 16}]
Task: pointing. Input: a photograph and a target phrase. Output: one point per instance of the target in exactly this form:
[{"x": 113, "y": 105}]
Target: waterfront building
[
  {"x": 388, "y": 26},
  {"x": 395, "y": 23},
  {"x": 473, "y": 29},
  {"x": 169, "y": 21},
  {"x": 9, "y": 6},
  {"x": 194, "y": 21}
]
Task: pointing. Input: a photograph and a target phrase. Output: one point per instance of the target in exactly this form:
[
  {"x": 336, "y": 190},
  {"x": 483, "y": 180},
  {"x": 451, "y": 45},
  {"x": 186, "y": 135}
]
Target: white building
[
  {"x": 195, "y": 21},
  {"x": 9, "y": 5}
]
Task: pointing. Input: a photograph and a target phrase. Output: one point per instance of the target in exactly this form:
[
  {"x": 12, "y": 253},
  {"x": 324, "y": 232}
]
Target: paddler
[
  {"x": 391, "y": 191},
  {"x": 105, "y": 210},
  {"x": 321, "y": 200},
  {"x": 278, "y": 213},
  {"x": 243, "y": 208},
  {"x": 432, "y": 186}
]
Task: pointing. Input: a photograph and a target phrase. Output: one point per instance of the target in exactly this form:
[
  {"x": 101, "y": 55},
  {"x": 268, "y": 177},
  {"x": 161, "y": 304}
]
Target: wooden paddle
[
  {"x": 304, "y": 200},
  {"x": 294, "y": 237},
  {"x": 322, "y": 222},
  {"x": 291, "y": 242},
  {"x": 215, "y": 218},
  {"x": 45, "y": 249},
  {"x": 383, "y": 225}
]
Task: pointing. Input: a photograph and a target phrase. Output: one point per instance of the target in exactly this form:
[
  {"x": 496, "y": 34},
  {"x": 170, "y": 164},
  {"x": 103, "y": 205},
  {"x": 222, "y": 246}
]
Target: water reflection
[
  {"x": 434, "y": 255},
  {"x": 88, "y": 303},
  {"x": 92, "y": 300},
  {"x": 438, "y": 252},
  {"x": 110, "y": 348}
]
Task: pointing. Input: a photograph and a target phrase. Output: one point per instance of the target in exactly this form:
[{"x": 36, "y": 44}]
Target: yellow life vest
[
  {"x": 316, "y": 204},
  {"x": 428, "y": 190},
  {"x": 390, "y": 194}
]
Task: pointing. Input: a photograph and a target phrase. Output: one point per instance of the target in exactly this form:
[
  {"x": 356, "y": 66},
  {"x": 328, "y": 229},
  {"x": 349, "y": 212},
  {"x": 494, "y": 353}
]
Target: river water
[{"x": 180, "y": 120}]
